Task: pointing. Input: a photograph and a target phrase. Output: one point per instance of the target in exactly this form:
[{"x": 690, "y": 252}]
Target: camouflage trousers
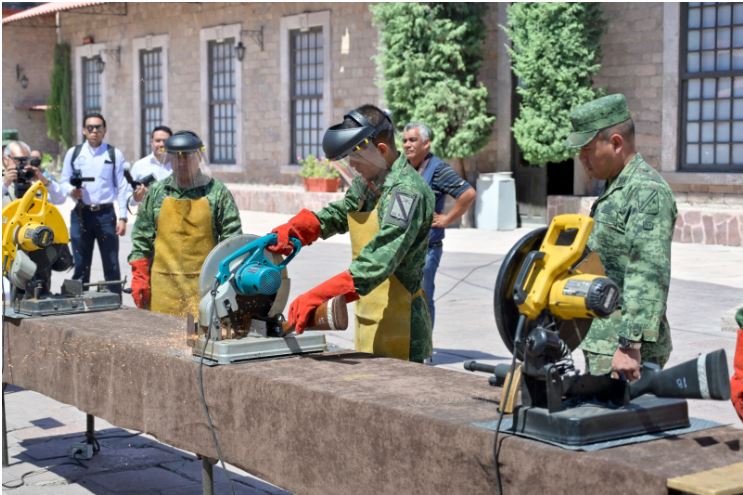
[{"x": 600, "y": 364}]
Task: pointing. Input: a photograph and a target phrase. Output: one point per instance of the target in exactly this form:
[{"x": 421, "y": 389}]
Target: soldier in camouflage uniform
[
  {"x": 388, "y": 210},
  {"x": 180, "y": 220},
  {"x": 634, "y": 219}
]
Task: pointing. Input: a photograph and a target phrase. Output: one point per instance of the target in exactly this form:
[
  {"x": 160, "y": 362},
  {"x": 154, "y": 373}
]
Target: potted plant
[{"x": 319, "y": 174}]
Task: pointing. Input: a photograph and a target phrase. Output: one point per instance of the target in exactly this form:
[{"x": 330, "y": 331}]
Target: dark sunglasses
[
  {"x": 93, "y": 128},
  {"x": 20, "y": 160}
]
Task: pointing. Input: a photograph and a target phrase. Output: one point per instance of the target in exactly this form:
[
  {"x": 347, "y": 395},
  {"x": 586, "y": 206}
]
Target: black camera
[
  {"x": 77, "y": 179},
  {"x": 24, "y": 174}
]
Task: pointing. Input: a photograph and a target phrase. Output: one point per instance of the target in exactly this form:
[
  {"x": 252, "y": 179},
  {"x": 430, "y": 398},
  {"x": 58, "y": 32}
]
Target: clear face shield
[
  {"x": 189, "y": 168},
  {"x": 364, "y": 161}
]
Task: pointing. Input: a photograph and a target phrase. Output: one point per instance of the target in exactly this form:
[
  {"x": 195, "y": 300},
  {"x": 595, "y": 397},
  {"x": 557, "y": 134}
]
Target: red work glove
[
  {"x": 736, "y": 381},
  {"x": 303, "y": 307},
  {"x": 304, "y": 226},
  {"x": 141, "y": 290}
]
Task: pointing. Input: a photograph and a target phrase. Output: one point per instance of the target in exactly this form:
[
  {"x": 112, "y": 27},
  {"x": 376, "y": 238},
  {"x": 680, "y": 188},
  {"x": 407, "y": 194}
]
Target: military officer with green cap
[{"x": 634, "y": 218}]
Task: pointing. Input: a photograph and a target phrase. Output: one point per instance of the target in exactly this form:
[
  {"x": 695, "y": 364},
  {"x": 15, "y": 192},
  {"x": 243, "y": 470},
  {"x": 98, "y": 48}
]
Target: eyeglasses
[
  {"x": 20, "y": 160},
  {"x": 94, "y": 128}
]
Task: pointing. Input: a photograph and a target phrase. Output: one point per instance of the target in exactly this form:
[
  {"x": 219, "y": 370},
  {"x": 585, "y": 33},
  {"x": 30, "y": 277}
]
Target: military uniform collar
[
  {"x": 624, "y": 175},
  {"x": 169, "y": 183}
]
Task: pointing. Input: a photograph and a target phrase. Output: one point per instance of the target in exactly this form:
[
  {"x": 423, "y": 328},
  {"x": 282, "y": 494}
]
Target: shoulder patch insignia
[
  {"x": 401, "y": 208},
  {"x": 648, "y": 201}
]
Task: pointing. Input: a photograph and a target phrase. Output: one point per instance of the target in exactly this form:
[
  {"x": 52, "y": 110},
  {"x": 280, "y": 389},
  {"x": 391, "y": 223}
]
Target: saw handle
[
  {"x": 254, "y": 252},
  {"x": 519, "y": 291}
]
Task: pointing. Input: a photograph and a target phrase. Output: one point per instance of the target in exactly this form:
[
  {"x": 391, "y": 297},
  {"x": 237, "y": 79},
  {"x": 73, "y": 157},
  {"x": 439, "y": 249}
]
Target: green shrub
[
  {"x": 317, "y": 167},
  {"x": 555, "y": 54},
  {"x": 59, "y": 113},
  {"x": 429, "y": 56}
]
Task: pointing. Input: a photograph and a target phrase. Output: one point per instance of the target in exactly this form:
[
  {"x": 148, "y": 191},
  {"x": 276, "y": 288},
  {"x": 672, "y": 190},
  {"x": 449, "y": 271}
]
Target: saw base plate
[
  {"x": 591, "y": 423},
  {"x": 230, "y": 351},
  {"x": 62, "y": 305}
]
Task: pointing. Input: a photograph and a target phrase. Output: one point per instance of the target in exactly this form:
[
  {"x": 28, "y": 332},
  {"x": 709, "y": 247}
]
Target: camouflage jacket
[
  {"x": 405, "y": 210},
  {"x": 634, "y": 220},
  {"x": 225, "y": 215}
]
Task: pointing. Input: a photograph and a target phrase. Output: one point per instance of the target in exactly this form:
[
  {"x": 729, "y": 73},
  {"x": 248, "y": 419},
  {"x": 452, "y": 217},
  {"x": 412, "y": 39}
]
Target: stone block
[{"x": 709, "y": 229}]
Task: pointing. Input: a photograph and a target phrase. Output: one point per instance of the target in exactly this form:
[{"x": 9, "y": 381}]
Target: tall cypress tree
[
  {"x": 555, "y": 54},
  {"x": 59, "y": 113},
  {"x": 429, "y": 57}
]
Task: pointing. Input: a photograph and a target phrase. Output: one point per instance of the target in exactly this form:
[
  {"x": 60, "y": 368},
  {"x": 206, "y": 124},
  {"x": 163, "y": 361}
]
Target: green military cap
[
  {"x": 588, "y": 119},
  {"x": 9, "y": 135}
]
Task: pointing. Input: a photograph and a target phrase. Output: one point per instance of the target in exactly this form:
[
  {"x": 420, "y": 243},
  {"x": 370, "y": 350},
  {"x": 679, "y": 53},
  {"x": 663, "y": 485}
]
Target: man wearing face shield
[
  {"x": 388, "y": 210},
  {"x": 179, "y": 222}
]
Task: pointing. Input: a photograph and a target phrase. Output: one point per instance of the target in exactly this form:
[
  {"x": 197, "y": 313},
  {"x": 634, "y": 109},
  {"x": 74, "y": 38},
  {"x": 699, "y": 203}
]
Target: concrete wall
[{"x": 36, "y": 66}]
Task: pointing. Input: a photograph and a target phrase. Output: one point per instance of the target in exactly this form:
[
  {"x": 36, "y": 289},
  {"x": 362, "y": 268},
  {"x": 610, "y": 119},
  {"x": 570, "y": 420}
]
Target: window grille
[
  {"x": 91, "y": 85},
  {"x": 711, "y": 75},
  {"x": 222, "y": 77},
  {"x": 150, "y": 94},
  {"x": 306, "y": 92}
]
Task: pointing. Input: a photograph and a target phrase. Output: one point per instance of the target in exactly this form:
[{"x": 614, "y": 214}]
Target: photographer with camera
[
  {"x": 152, "y": 167},
  {"x": 95, "y": 219},
  {"x": 20, "y": 170}
]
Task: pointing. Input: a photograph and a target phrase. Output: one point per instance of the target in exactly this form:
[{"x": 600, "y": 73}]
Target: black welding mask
[{"x": 352, "y": 149}]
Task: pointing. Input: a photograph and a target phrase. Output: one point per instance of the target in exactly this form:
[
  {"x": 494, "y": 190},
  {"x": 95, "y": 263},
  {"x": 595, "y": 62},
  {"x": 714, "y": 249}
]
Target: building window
[
  {"x": 150, "y": 94},
  {"x": 306, "y": 91},
  {"x": 222, "y": 78},
  {"x": 711, "y": 137},
  {"x": 91, "y": 85}
]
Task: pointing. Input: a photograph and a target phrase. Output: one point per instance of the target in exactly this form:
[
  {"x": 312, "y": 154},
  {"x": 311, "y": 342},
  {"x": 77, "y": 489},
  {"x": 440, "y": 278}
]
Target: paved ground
[{"x": 706, "y": 286}]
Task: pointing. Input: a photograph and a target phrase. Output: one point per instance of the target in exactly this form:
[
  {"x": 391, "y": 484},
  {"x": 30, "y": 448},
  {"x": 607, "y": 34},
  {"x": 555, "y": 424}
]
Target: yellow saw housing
[
  {"x": 31, "y": 223},
  {"x": 561, "y": 279}
]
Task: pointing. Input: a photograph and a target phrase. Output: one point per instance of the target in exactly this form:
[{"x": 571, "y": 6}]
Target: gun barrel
[{"x": 705, "y": 377}]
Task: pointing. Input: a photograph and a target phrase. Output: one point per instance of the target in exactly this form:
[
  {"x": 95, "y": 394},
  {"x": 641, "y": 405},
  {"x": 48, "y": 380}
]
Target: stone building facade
[{"x": 643, "y": 50}]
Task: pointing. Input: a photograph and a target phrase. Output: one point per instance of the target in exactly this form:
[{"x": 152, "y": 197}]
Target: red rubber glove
[
  {"x": 303, "y": 307},
  {"x": 141, "y": 290},
  {"x": 304, "y": 226},
  {"x": 736, "y": 381}
]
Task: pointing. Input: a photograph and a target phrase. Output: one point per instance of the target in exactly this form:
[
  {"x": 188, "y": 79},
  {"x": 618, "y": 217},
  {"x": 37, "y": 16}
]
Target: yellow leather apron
[
  {"x": 184, "y": 239},
  {"x": 382, "y": 316}
]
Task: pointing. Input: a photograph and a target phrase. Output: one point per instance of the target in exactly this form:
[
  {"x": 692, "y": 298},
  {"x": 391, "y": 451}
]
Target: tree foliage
[
  {"x": 59, "y": 113},
  {"x": 555, "y": 54},
  {"x": 429, "y": 57}
]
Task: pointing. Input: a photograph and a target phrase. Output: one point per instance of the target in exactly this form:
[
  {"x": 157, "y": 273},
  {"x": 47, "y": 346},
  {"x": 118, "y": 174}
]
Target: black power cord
[
  {"x": 460, "y": 280},
  {"x": 212, "y": 319}
]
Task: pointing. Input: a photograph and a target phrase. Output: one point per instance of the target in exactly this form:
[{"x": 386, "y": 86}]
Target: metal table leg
[
  {"x": 5, "y": 433},
  {"x": 207, "y": 474}
]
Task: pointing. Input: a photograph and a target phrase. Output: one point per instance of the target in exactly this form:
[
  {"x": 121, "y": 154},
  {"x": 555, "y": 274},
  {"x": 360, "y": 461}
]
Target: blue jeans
[
  {"x": 433, "y": 258},
  {"x": 87, "y": 227}
]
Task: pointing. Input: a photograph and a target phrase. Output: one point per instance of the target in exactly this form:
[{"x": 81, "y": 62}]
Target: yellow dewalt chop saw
[
  {"x": 35, "y": 242},
  {"x": 549, "y": 288}
]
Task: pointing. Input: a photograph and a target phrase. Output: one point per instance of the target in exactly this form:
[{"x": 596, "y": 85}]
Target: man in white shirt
[
  {"x": 154, "y": 164},
  {"x": 94, "y": 217}
]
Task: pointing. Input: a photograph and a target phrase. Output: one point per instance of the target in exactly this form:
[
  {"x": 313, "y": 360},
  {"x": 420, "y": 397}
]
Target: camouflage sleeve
[
  {"x": 227, "y": 221},
  {"x": 333, "y": 218},
  {"x": 401, "y": 216},
  {"x": 143, "y": 232},
  {"x": 647, "y": 276}
]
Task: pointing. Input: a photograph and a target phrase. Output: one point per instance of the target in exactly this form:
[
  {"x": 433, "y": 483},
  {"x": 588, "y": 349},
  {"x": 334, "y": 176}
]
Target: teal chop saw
[{"x": 244, "y": 289}]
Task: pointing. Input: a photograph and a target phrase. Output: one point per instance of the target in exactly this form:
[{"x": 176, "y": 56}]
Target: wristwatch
[{"x": 625, "y": 343}]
